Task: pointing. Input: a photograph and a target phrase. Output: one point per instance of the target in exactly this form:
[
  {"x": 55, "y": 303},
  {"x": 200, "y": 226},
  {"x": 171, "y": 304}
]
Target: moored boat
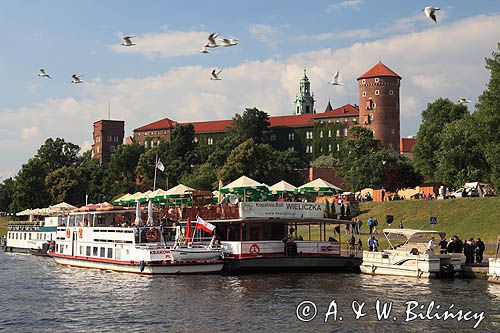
[
  {"x": 494, "y": 266},
  {"x": 411, "y": 258}
]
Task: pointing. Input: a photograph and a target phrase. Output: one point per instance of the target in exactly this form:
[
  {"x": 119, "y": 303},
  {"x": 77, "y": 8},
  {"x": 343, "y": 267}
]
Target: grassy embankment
[
  {"x": 466, "y": 218},
  {"x": 3, "y": 225}
]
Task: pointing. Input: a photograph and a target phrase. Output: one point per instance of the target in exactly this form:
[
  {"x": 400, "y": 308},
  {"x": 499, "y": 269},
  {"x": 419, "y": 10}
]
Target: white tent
[
  {"x": 319, "y": 185},
  {"x": 243, "y": 182},
  {"x": 178, "y": 191},
  {"x": 61, "y": 208},
  {"x": 282, "y": 186}
]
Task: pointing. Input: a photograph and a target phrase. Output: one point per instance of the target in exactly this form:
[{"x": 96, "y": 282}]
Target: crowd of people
[{"x": 472, "y": 249}]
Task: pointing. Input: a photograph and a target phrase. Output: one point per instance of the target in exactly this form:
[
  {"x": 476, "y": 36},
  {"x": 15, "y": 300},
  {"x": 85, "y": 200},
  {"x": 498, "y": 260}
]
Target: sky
[{"x": 164, "y": 75}]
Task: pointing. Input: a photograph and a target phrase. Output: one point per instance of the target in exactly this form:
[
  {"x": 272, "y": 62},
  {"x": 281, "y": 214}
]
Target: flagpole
[{"x": 156, "y": 166}]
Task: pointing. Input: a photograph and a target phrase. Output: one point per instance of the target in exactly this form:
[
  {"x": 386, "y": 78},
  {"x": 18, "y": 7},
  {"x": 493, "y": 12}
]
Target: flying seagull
[
  {"x": 335, "y": 79},
  {"x": 463, "y": 101},
  {"x": 76, "y": 79},
  {"x": 43, "y": 74},
  {"x": 430, "y": 12},
  {"x": 127, "y": 41},
  {"x": 215, "y": 74},
  {"x": 229, "y": 42},
  {"x": 204, "y": 49},
  {"x": 211, "y": 40}
]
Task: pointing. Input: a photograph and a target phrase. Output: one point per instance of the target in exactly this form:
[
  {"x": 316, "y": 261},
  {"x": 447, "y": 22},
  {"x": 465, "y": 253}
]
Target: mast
[{"x": 154, "y": 180}]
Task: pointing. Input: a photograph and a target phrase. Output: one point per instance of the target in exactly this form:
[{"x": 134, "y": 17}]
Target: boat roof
[{"x": 408, "y": 233}]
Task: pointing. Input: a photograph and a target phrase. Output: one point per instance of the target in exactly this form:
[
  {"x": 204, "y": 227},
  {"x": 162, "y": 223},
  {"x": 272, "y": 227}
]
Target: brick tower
[
  {"x": 108, "y": 135},
  {"x": 379, "y": 104}
]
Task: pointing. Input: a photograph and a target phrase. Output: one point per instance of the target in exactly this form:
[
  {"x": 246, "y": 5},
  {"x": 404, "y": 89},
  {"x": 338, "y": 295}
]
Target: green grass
[{"x": 3, "y": 225}]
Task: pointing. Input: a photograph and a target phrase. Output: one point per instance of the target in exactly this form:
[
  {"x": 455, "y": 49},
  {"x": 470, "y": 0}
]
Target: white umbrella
[
  {"x": 61, "y": 207},
  {"x": 150, "y": 214},
  {"x": 138, "y": 220}
]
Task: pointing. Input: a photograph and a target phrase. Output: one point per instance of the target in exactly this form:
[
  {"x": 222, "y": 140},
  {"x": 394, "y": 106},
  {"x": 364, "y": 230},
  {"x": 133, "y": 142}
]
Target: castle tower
[
  {"x": 304, "y": 101},
  {"x": 379, "y": 104},
  {"x": 108, "y": 135}
]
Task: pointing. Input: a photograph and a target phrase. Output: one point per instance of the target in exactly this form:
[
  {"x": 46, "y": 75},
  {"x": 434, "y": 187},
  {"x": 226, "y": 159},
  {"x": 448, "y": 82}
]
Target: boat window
[
  {"x": 110, "y": 253},
  {"x": 118, "y": 254},
  {"x": 24, "y": 236},
  {"x": 81, "y": 249},
  {"x": 127, "y": 252},
  {"x": 103, "y": 252},
  {"x": 61, "y": 248},
  {"x": 88, "y": 251},
  {"x": 94, "y": 251},
  {"x": 29, "y": 236}
]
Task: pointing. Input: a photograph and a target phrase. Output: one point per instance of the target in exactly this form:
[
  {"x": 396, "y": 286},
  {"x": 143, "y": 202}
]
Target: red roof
[
  {"x": 406, "y": 144},
  {"x": 379, "y": 70},
  {"x": 276, "y": 121},
  {"x": 164, "y": 123}
]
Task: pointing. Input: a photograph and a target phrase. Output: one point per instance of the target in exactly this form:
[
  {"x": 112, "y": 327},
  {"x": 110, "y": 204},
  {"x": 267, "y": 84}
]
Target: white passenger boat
[
  {"x": 94, "y": 240},
  {"x": 411, "y": 258},
  {"x": 494, "y": 266},
  {"x": 32, "y": 236}
]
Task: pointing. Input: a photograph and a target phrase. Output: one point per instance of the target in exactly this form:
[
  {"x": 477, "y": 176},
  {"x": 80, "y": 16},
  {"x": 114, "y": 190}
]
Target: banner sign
[{"x": 283, "y": 210}]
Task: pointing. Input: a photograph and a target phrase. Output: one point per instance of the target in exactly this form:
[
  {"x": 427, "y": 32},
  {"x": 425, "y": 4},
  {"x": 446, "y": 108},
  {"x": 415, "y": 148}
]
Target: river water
[{"x": 39, "y": 296}]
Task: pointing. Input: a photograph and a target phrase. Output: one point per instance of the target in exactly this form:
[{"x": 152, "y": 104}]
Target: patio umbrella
[
  {"x": 282, "y": 188},
  {"x": 138, "y": 220},
  {"x": 179, "y": 191},
  {"x": 245, "y": 186},
  {"x": 135, "y": 197},
  {"x": 150, "y": 221},
  {"x": 318, "y": 187},
  {"x": 123, "y": 199},
  {"x": 61, "y": 208}
]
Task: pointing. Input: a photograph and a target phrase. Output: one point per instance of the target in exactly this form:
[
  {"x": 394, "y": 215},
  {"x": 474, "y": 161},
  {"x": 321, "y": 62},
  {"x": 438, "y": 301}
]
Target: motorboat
[
  {"x": 412, "y": 257},
  {"x": 494, "y": 266}
]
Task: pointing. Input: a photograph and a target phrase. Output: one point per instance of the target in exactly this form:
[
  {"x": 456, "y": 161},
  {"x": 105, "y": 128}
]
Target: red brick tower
[
  {"x": 108, "y": 135},
  {"x": 379, "y": 104}
]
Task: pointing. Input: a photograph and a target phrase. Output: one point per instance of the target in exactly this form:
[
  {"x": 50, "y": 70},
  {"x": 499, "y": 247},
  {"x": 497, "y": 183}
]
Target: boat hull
[
  {"x": 494, "y": 270},
  {"x": 147, "y": 269},
  {"x": 292, "y": 264},
  {"x": 16, "y": 249},
  {"x": 194, "y": 254}
]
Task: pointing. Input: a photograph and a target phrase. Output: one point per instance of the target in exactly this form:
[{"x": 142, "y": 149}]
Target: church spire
[{"x": 304, "y": 101}]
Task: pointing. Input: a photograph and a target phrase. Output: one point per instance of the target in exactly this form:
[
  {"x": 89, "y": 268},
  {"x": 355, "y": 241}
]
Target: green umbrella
[
  {"x": 318, "y": 187},
  {"x": 246, "y": 187}
]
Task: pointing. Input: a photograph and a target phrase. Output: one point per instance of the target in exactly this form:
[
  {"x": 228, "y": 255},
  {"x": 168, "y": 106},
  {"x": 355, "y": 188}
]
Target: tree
[
  {"x": 325, "y": 161},
  {"x": 256, "y": 161},
  {"x": 203, "y": 177},
  {"x": 429, "y": 136},
  {"x": 92, "y": 178},
  {"x": 222, "y": 149},
  {"x": 58, "y": 153},
  {"x": 402, "y": 175},
  {"x": 487, "y": 119},
  {"x": 253, "y": 124},
  {"x": 64, "y": 184},
  {"x": 289, "y": 166},
  {"x": 6, "y": 193},
  {"x": 30, "y": 190},
  {"x": 121, "y": 169}
]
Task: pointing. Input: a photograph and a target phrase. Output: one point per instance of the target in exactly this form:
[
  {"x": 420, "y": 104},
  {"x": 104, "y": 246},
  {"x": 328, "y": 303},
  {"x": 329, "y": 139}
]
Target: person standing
[
  {"x": 459, "y": 245},
  {"x": 430, "y": 245},
  {"x": 358, "y": 226},
  {"x": 352, "y": 243},
  {"x": 467, "y": 253},
  {"x": 479, "y": 250},
  {"x": 370, "y": 243},
  {"x": 400, "y": 224},
  {"x": 370, "y": 224},
  {"x": 375, "y": 244},
  {"x": 442, "y": 245},
  {"x": 375, "y": 226},
  {"x": 472, "y": 244},
  {"x": 360, "y": 245}
]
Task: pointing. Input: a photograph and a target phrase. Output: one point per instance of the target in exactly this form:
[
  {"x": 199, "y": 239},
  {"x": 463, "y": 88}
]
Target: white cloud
[
  {"x": 347, "y": 4},
  {"x": 267, "y": 34},
  {"x": 432, "y": 63},
  {"x": 165, "y": 44},
  {"x": 85, "y": 146}
]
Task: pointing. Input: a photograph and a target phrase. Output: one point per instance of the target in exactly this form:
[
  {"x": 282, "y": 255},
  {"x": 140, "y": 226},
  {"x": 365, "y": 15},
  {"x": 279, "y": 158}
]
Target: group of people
[{"x": 472, "y": 249}]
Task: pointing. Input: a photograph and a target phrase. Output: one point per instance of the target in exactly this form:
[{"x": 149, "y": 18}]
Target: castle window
[
  {"x": 146, "y": 144},
  {"x": 273, "y": 137},
  {"x": 112, "y": 149},
  {"x": 116, "y": 139},
  {"x": 291, "y": 136},
  {"x": 377, "y": 92},
  {"x": 345, "y": 131},
  {"x": 145, "y": 133},
  {"x": 393, "y": 131},
  {"x": 110, "y": 138},
  {"x": 338, "y": 133},
  {"x": 152, "y": 133},
  {"x": 138, "y": 133},
  {"x": 364, "y": 93},
  {"x": 210, "y": 141},
  {"x": 164, "y": 132},
  {"x": 376, "y": 80},
  {"x": 195, "y": 140},
  {"x": 291, "y": 148},
  {"x": 390, "y": 145},
  {"x": 391, "y": 92},
  {"x": 329, "y": 133},
  {"x": 309, "y": 135},
  {"x": 363, "y": 81},
  {"x": 321, "y": 134},
  {"x": 330, "y": 147},
  {"x": 354, "y": 120},
  {"x": 309, "y": 149},
  {"x": 338, "y": 147},
  {"x": 371, "y": 116}
]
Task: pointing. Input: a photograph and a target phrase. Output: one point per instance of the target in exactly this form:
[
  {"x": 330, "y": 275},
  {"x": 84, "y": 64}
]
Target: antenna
[{"x": 109, "y": 109}]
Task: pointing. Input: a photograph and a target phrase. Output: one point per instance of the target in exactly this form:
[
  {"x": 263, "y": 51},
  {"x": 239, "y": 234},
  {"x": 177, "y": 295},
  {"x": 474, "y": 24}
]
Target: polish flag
[{"x": 202, "y": 224}]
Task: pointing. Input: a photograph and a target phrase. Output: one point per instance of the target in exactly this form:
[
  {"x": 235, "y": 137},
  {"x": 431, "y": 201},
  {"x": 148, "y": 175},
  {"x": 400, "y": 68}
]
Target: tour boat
[
  {"x": 494, "y": 266},
  {"x": 278, "y": 236},
  {"x": 33, "y": 236},
  {"x": 411, "y": 258},
  {"x": 93, "y": 239}
]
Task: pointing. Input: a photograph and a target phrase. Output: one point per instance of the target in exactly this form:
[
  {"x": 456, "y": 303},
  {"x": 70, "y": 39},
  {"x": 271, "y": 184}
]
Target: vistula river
[{"x": 39, "y": 296}]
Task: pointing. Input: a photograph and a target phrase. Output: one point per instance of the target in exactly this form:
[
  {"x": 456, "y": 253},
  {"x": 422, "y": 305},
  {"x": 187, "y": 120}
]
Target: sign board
[
  {"x": 433, "y": 220},
  {"x": 283, "y": 210}
]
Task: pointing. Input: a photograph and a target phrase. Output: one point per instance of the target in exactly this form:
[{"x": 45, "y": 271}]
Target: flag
[
  {"x": 204, "y": 225},
  {"x": 187, "y": 232},
  {"x": 160, "y": 166}
]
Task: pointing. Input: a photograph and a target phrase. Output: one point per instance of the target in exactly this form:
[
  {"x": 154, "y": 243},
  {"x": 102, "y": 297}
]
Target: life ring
[
  {"x": 80, "y": 232},
  {"x": 254, "y": 249},
  {"x": 68, "y": 233},
  {"x": 152, "y": 235}
]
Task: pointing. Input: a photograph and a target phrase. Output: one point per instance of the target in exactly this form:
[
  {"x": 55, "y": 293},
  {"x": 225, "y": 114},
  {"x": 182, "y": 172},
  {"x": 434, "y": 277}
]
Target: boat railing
[{"x": 32, "y": 226}]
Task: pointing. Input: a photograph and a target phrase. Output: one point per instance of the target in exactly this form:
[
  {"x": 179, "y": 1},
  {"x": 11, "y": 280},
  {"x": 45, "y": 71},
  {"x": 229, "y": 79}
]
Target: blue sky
[{"x": 164, "y": 76}]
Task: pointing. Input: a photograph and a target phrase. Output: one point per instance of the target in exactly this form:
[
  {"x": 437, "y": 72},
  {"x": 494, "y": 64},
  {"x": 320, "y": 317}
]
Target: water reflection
[{"x": 39, "y": 295}]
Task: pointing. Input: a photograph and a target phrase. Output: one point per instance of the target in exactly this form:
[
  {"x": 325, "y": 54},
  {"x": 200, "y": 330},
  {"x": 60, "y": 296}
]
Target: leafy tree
[
  {"x": 58, "y": 153},
  {"x": 256, "y": 161},
  {"x": 92, "y": 178},
  {"x": 434, "y": 119},
  {"x": 253, "y": 124},
  {"x": 64, "y": 184},
  {"x": 6, "y": 193},
  {"x": 401, "y": 175},
  {"x": 203, "y": 177},
  {"x": 30, "y": 190},
  {"x": 325, "y": 161},
  {"x": 121, "y": 169},
  {"x": 222, "y": 149},
  {"x": 289, "y": 166},
  {"x": 182, "y": 141}
]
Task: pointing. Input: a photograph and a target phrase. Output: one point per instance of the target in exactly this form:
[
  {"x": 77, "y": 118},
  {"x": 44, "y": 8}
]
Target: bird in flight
[
  {"x": 430, "y": 12},
  {"x": 211, "y": 40},
  {"x": 335, "y": 79},
  {"x": 229, "y": 42},
  {"x": 463, "y": 101},
  {"x": 42, "y": 73},
  {"x": 204, "y": 49},
  {"x": 76, "y": 79},
  {"x": 127, "y": 41},
  {"x": 215, "y": 74}
]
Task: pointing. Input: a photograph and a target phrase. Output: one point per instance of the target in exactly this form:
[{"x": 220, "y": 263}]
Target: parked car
[{"x": 470, "y": 192}]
